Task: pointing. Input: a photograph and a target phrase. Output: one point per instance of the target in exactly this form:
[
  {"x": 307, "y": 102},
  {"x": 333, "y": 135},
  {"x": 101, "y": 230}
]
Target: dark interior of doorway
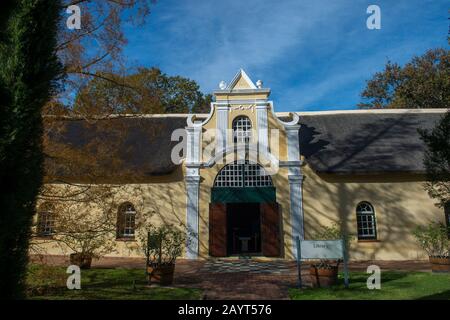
[{"x": 243, "y": 229}]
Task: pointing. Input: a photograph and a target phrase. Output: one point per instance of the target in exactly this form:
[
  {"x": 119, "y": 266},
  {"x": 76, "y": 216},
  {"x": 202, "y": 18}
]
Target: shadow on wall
[{"x": 336, "y": 146}]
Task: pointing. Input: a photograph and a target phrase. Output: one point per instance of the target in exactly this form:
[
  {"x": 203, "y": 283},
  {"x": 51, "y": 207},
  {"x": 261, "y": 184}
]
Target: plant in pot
[
  {"x": 324, "y": 273},
  {"x": 162, "y": 245},
  {"x": 434, "y": 239}
]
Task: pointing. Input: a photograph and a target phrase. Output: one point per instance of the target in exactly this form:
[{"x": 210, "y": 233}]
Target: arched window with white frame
[
  {"x": 366, "y": 221},
  {"x": 126, "y": 221},
  {"x": 242, "y": 129}
]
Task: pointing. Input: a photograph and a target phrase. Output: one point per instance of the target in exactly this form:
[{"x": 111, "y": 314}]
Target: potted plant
[
  {"x": 434, "y": 239},
  {"x": 325, "y": 272},
  {"x": 162, "y": 246}
]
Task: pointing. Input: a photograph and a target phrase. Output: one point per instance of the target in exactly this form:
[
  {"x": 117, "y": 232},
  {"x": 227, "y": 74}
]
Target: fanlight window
[
  {"x": 242, "y": 130},
  {"x": 243, "y": 175},
  {"x": 126, "y": 221},
  {"x": 45, "y": 221},
  {"x": 365, "y": 217}
]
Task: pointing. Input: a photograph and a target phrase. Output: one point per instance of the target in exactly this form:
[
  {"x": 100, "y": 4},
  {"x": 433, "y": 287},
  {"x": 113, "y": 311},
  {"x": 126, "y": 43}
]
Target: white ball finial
[
  {"x": 259, "y": 84},
  {"x": 222, "y": 85}
]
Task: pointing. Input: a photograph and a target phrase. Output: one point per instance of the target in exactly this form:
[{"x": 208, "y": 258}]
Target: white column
[
  {"x": 192, "y": 195},
  {"x": 221, "y": 126},
  {"x": 192, "y": 180},
  {"x": 296, "y": 198},
  {"x": 262, "y": 130},
  {"x": 295, "y": 185}
]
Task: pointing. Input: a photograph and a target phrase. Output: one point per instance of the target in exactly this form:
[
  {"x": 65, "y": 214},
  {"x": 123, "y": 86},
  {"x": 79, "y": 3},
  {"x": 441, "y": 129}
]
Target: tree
[
  {"x": 96, "y": 49},
  {"x": 422, "y": 83},
  {"x": 204, "y": 106},
  {"x": 437, "y": 161},
  {"x": 29, "y": 72},
  {"x": 146, "y": 91}
]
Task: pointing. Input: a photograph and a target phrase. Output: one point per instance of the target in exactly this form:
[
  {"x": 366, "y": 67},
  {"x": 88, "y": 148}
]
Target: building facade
[{"x": 245, "y": 180}]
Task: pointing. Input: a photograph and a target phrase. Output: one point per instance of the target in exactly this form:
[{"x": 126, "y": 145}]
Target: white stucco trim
[
  {"x": 295, "y": 116},
  {"x": 193, "y": 144},
  {"x": 221, "y": 128},
  {"x": 262, "y": 129},
  {"x": 251, "y": 102},
  {"x": 192, "y": 206},
  {"x": 296, "y": 199},
  {"x": 191, "y": 117},
  {"x": 244, "y": 75},
  {"x": 251, "y": 148}
]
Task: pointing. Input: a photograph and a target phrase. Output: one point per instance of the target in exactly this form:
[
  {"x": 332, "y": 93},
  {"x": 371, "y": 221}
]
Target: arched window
[
  {"x": 243, "y": 175},
  {"x": 365, "y": 217},
  {"x": 45, "y": 220},
  {"x": 242, "y": 129},
  {"x": 126, "y": 221}
]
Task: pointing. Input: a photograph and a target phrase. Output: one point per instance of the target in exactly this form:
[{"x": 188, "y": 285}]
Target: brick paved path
[{"x": 240, "y": 279}]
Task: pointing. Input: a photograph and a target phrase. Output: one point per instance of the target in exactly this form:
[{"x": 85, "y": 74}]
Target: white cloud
[{"x": 306, "y": 51}]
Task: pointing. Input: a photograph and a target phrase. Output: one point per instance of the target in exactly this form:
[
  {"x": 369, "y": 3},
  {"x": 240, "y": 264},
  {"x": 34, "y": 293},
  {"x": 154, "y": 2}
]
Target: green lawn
[
  {"x": 45, "y": 282},
  {"x": 394, "y": 286}
]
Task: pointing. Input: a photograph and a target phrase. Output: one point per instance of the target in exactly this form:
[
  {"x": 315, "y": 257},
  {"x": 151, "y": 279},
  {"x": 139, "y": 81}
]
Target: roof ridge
[{"x": 282, "y": 113}]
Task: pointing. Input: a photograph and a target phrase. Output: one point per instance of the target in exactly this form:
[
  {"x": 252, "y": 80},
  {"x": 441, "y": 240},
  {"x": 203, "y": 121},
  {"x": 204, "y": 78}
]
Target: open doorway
[{"x": 243, "y": 229}]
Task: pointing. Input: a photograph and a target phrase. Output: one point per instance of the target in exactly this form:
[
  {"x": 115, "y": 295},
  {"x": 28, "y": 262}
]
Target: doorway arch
[{"x": 244, "y": 215}]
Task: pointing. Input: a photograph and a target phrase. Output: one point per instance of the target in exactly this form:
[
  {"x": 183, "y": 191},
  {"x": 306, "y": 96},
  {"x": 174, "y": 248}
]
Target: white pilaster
[
  {"x": 295, "y": 185},
  {"x": 221, "y": 127},
  {"x": 192, "y": 180},
  {"x": 262, "y": 129},
  {"x": 192, "y": 196},
  {"x": 296, "y": 198}
]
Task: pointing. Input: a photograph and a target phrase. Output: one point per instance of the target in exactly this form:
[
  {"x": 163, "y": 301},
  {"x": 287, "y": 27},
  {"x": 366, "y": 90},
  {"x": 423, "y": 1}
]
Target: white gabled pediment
[{"x": 241, "y": 81}]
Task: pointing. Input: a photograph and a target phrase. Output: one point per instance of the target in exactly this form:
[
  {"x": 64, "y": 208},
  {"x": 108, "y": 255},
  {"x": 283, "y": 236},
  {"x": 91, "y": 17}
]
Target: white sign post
[{"x": 321, "y": 249}]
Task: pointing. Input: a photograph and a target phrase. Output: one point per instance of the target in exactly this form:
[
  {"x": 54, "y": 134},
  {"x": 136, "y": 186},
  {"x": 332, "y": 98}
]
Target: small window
[
  {"x": 242, "y": 130},
  {"x": 126, "y": 220},
  {"x": 365, "y": 218},
  {"x": 45, "y": 221}
]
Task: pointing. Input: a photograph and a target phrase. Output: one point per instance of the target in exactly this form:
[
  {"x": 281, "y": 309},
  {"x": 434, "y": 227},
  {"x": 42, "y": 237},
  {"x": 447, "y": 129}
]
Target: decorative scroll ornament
[{"x": 242, "y": 107}]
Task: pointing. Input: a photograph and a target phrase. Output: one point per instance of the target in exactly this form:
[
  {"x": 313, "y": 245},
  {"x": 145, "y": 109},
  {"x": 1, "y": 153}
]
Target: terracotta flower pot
[
  {"x": 82, "y": 260},
  {"x": 323, "y": 277},
  {"x": 162, "y": 274},
  {"x": 440, "y": 264}
]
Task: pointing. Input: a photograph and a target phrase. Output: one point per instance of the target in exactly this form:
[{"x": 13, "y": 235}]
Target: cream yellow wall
[
  {"x": 400, "y": 205},
  {"x": 399, "y": 201},
  {"x": 162, "y": 200}
]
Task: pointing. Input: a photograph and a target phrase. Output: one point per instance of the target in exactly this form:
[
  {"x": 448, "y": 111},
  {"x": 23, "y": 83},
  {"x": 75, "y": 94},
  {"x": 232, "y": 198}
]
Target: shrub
[
  {"x": 433, "y": 238},
  {"x": 163, "y": 245}
]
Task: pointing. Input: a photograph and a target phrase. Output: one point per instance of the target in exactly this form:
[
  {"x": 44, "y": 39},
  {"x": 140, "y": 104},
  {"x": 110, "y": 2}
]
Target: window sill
[
  {"x": 368, "y": 240},
  {"x": 43, "y": 237},
  {"x": 126, "y": 239}
]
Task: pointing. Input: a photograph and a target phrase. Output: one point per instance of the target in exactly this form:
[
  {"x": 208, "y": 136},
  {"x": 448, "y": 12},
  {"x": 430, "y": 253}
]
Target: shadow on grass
[{"x": 445, "y": 295}]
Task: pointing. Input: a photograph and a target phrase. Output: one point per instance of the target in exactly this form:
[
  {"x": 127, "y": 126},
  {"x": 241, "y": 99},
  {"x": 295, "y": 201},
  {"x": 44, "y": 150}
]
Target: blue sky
[{"x": 314, "y": 55}]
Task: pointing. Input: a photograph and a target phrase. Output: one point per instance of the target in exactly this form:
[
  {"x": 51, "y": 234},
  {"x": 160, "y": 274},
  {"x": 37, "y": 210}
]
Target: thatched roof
[
  {"x": 354, "y": 142},
  {"x": 365, "y": 142}
]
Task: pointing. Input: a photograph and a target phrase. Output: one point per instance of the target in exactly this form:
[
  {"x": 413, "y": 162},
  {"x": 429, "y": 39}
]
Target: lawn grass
[
  {"x": 394, "y": 286},
  {"x": 49, "y": 283}
]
